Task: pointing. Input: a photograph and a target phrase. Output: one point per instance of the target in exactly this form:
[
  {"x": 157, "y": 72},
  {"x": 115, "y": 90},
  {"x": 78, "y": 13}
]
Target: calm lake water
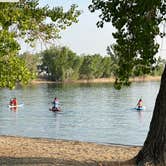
[{"x": 91, "y": 112}]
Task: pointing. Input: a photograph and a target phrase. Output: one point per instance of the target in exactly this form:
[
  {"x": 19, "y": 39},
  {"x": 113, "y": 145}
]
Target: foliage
[
  {"x": 114, "y": 59},
  {"x": 26, "y": 20},
  {"x": 107, "y": 67},
  {"x": 137, "y": 25},
  {"x": 158, "y": 68},
  {"x": 91, "y": 67},
  {"x": 13, "y": 70},
  {"x": 60, "y": 64},
  {"x": 32, "y": 61}
]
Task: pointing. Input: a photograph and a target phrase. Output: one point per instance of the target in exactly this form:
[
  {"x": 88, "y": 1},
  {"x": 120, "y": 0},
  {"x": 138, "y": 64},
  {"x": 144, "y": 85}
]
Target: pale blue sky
[{"x": 83, "y": 37}]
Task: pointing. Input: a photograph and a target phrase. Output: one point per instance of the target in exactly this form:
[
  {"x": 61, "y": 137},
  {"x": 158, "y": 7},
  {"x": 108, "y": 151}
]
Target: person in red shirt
[{"x": 13, "y": 102}]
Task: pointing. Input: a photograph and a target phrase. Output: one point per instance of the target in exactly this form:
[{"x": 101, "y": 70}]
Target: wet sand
[{"x": 40, "y": 151}]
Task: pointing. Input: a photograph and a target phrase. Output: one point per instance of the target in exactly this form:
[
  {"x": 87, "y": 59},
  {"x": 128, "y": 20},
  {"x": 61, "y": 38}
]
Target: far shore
[
  {"x": 100, "y": 80},
  {"x": 22, "y": 151}
]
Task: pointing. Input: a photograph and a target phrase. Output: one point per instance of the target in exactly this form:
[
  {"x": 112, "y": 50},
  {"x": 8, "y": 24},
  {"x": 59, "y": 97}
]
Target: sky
[{"x": 83, "y": 37}]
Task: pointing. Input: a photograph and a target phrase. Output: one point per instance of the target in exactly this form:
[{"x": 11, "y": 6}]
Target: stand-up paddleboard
[
  {"x": 55, "y": 109},
  {"x": 140, "y": 108},
  {"x": 15, "y": 106}
]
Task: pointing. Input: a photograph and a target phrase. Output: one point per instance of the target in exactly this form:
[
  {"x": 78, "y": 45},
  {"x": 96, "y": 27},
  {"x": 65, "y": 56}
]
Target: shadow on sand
[{"x": 44, "y": 161}]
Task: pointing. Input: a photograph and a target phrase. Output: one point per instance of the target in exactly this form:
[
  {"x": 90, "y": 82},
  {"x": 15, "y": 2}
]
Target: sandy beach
[{"x": 40, "y": 151}]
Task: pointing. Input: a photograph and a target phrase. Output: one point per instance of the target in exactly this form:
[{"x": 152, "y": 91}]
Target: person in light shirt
[{"x": 56, "y": 105}]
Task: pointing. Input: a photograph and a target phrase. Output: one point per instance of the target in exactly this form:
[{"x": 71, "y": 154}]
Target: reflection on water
[{"x": 91, "y": 112}]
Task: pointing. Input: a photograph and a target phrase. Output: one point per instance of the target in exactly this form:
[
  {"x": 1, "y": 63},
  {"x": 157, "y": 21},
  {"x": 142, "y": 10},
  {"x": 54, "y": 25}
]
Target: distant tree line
[{"x": 62, "y": 64}]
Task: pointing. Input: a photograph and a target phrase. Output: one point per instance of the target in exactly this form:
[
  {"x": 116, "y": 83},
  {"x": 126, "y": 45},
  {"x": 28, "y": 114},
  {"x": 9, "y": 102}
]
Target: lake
[{"x": 91, "y": 112}]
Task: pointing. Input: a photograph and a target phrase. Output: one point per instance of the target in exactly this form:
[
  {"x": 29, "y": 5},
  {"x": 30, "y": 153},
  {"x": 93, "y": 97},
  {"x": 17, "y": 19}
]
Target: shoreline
[
  {"x": 99, "y": 80},
  {"x": 17, "y": 150}
]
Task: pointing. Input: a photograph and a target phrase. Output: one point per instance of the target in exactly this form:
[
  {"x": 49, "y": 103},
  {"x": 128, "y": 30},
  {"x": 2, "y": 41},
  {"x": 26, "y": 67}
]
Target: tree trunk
[{"x": 153, "y": 152}]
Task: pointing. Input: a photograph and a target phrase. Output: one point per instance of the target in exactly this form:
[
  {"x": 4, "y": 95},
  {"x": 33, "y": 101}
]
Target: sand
[{"x": 40, "y": 151}]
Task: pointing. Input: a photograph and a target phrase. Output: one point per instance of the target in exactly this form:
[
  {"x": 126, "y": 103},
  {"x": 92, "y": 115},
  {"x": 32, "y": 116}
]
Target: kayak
[
  {"x": 140, "y": 108},
  {"x": 14, "y": 106},
  {"x": 55, "y": 109}
]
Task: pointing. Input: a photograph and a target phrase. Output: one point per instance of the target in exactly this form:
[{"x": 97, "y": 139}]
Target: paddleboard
[
  {"x": 55, "y": 109},
  {"x": 14, "y": 106},
  {"x": 140, "y": 109}
]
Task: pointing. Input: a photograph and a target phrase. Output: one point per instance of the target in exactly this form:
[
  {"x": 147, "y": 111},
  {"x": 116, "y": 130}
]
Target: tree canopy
[
  {"x": 28, "y": 21},
  {"x": 60, "y": 64},
  {"x": 137, "y": 25}
]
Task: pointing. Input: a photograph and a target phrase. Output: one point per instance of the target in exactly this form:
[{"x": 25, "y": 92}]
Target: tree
[
  {"x": 91, "y": 67},
  {"x": 27, "y": 21},
  {"x": 158, "y": 68},
  {"x": 32, "y": 61},
  {"x": 60, "y": 64},
  {"x": 107, "y": 67},
  {"x": 137, "y": 24},
  {"x": 114, "y": 59}
]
